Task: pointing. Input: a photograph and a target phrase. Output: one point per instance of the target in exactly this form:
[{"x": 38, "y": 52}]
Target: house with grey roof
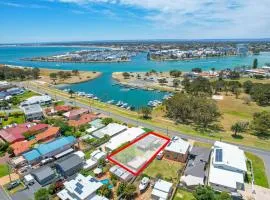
[
  {"x": 44, "y": 175},
  {"x": 195, "y": 171},
  {"x": 33, "y": 112},
  {"x": 70, "y": 166}
]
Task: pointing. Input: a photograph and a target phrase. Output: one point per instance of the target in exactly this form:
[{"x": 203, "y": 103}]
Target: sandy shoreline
[
  {"x": 83, "y": 76},
  {"x": 133, "y": 81}
]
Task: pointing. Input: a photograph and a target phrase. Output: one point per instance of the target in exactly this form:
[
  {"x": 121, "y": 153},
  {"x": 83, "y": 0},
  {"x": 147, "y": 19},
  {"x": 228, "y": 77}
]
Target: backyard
[
  {"x": 165, "y": 169},
  {"x": 183, "y": 195}
]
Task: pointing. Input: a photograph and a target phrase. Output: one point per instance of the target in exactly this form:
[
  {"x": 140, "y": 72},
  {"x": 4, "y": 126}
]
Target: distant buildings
[
  {"x": 242, "y": 49},
  {"x": 177, "y": 150},
  {"x": 227, "y": 167}
]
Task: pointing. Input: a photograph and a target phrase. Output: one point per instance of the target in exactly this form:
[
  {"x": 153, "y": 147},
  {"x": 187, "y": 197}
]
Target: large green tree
[
  {"x": 42, "y": 194},
  {"x": 239, "y": 127},
  {"x": 204, "y": 193},
  {"x": 261, "y": 123},
  {"x": 146, "y": 112}
]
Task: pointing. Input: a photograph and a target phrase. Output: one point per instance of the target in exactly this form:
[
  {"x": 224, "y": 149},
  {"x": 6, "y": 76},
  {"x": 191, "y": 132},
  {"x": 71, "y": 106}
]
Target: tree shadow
[{"x": 237, "y": 136}]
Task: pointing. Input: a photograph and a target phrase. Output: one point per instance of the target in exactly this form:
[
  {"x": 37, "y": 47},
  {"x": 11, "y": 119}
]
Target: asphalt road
[{"x": 264, "y": 154}]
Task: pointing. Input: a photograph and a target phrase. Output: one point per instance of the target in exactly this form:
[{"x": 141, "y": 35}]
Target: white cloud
[{"x": 238, "y": 18}]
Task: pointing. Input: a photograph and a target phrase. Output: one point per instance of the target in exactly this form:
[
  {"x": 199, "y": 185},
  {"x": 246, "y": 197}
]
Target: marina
[{"x": 104, "y": 88}]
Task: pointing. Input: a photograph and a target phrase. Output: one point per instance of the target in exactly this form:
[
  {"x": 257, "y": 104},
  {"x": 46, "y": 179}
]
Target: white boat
[
  {"x": 95, "y": 98},
  {"x": 110, "y": 101},
  {"x": 119, "y": 103}
]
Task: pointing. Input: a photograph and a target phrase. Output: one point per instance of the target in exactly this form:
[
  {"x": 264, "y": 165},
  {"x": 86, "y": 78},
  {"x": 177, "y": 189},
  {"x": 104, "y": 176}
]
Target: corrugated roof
[
  {"x": 58, "y": 143},
  {"x": 70, "y": 162}
]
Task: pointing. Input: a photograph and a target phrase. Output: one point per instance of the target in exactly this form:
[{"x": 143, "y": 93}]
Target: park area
[{"x": 135, "y": 156}]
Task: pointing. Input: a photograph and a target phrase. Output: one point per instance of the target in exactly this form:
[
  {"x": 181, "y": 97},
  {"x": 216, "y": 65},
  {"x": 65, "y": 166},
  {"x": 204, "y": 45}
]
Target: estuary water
[{"x": 103, "y": 87}]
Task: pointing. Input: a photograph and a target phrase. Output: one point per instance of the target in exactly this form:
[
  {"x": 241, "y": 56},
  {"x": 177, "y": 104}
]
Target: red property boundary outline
[{"x": 109, "y": 157}]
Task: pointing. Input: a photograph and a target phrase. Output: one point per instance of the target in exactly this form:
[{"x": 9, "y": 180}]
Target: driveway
[
  {"x": 27, "y": 193},
  {"x": 260, "y": 193}
]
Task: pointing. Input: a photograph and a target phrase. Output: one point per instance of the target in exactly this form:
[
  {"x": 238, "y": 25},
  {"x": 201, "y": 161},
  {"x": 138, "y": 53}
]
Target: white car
[{"x": 144, "y": 184}]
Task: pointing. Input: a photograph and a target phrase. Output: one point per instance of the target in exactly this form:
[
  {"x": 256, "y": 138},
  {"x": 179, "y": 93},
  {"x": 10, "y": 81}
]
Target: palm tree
[{"x": 71, "y": 92}]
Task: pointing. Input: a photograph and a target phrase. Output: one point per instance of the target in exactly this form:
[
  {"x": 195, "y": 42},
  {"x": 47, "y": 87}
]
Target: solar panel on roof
[
  {"x": 79, "y": 185},
  {"x": 78, "y": 190},
  {"x": 218, "y": 156}
]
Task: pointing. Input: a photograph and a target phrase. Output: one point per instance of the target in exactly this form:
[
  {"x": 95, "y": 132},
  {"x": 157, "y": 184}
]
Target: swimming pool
[{"x": 106, "y": 182}]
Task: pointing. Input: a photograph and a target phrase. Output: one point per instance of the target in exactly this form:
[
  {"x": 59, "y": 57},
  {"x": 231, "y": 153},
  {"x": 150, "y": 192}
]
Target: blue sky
[{"x": 85, "y": 20}]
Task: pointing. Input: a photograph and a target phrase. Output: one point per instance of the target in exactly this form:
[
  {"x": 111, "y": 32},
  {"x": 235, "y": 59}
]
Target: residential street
[{"x": 264, "y": 154}]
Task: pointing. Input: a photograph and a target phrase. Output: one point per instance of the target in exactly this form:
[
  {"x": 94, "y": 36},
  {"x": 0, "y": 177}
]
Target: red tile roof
[
  {"x": 22, "y": 146},
  {"x": 84, "y": 119},
  {"x": 63, "y": 108},
  {"x": 49, "y": 133},
  {"x": 15, "y": 134}
]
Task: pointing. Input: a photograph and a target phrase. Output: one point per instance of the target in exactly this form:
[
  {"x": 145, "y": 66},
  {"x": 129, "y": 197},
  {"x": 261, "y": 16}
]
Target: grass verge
[
  {"x": 3, "y": 170},
  {"x": 260, "y": 176}
]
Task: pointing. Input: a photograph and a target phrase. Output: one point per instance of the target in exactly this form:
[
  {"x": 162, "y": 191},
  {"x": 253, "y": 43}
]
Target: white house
[
  {"x": 227, "y": 167},
  {"x": 41, "y": 100},
  {"x": 111, "y": 130},
  {"x": 162, "y": 190},
  {"x": 126, "y": 136},
  {"x": 81, "y": 188}
]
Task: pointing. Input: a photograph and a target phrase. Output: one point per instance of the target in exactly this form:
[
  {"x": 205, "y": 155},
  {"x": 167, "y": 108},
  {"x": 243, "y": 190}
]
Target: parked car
[
  {"x": 160, "y": 155},
  {"x": 13, "y": 184},
  {"x": 144, "y": 184}
]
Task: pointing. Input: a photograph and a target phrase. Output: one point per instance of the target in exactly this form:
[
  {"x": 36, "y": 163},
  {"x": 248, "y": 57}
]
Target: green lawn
[
  {"x": 167, "y": 169},
  {"x": 183, "y": 195},
  {"x": 26, "y": 95},
  {"x": 202, "y": 144},
  {"x": 259, "y": 170},
  {"x": 19, "y": 120},
  {"x": 3, "y": 170}
]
